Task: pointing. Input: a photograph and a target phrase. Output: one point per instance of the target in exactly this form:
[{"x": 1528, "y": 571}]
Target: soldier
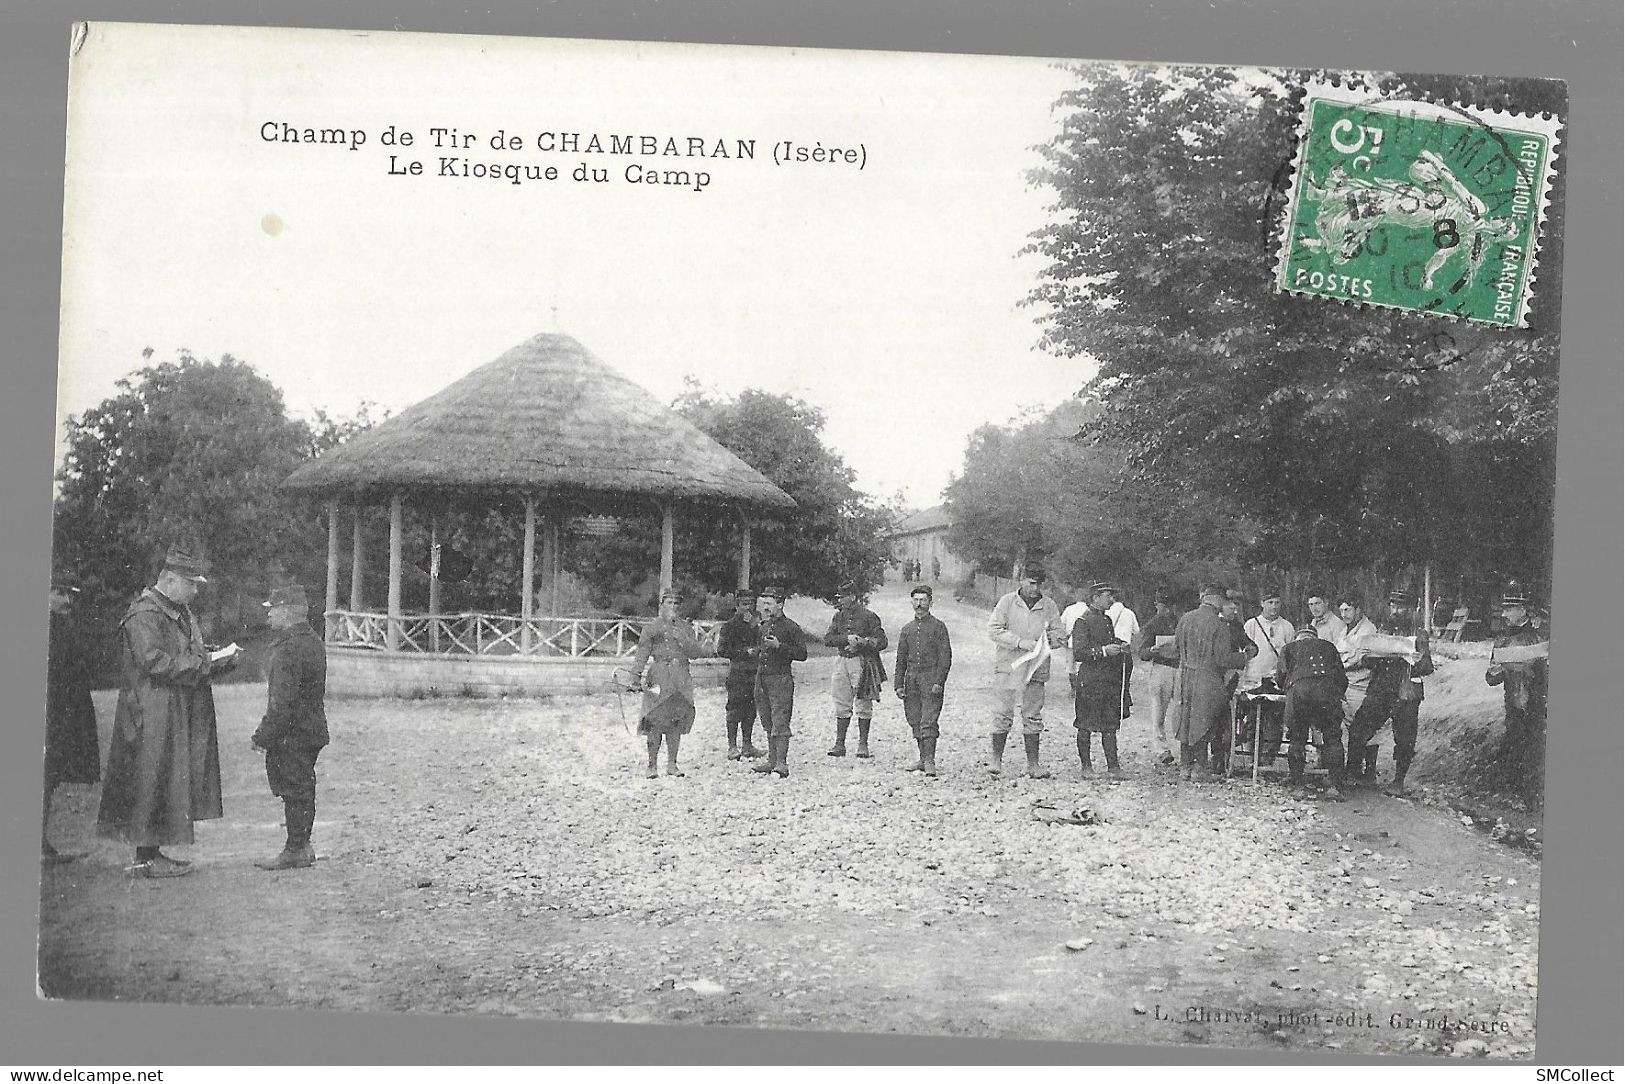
[
  {"x": 857, "y": 634},
  {"x": 1328, "y": 626},
  {"x": 661, "y": 661},
  {"x": 1357, "y": 627},
  {"x": 1164, "y": 669},
  {"x": 737, "y": 641},
  {"x": 782, "y": 642},
  {"x": 1390, "y": 695},
  {"x": 72, "y": 752},
  {"x": 1101, "y": 681},
  {"x": 1311, "y": 672},
  {"x": 1518, "y": 663},
  {"x": 1205, "y": 644},
  {"x": 924, "y": 656},
  {"x": 1026, "y": 626},
  {"x": 163, "y": 766},
  {"x": 1268, "y": 632},
  {"x": 293, "y": 731}
]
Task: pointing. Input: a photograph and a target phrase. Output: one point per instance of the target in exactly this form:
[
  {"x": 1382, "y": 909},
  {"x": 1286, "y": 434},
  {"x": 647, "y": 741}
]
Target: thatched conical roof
[{"x": 547, "y": 416}]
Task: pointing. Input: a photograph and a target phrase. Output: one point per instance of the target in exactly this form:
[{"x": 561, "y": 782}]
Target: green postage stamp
[{"x": 1412, "y": 205}]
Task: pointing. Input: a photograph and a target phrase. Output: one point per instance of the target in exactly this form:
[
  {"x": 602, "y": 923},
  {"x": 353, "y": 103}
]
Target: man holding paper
[
  {"x": 163, "y": 766},
  {"x": 1025, "y": 626},
  {"x": 1518, "y": 663},
  {"x": 1398, "y": 659}
]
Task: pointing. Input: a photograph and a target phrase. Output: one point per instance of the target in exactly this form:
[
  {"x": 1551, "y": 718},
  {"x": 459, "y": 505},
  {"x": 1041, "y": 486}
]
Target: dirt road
[{"x": 509, "y": 858}]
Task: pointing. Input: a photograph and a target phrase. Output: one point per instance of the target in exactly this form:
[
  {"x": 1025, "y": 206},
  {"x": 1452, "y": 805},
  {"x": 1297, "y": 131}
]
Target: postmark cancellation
[{"x": 1435, "y": 209}]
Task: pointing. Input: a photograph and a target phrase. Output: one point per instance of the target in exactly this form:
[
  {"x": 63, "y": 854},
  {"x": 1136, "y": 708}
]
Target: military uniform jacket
[
  {"x": 1525, "y": 681},
  {"x": 737, "y": 641},
  {"x": 1013, "y": 620},
  {"x": 792, "y": 645},
  {"x": 1157, "y": 627},
  {"x": 924, "y": 654},
  {"x": 1311, "y": 660},
  {"x": 1098, "y": 673},
  {"x": 297, "y": 686}
]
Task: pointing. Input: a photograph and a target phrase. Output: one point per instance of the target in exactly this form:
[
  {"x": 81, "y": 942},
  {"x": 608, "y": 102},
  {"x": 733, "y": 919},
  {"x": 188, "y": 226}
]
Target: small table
[{"x": 1247, "y": 713}]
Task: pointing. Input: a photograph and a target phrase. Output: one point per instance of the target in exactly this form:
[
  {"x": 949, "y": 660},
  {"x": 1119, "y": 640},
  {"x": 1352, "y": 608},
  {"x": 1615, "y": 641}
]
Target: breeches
[
  {"x": 775, "y": 700},
  {"x": 1007, "y": 688},
  {"x": 843, "y": 687},
  {"x": 921, "y": 708},
  {"x": 291, "y": 770}
]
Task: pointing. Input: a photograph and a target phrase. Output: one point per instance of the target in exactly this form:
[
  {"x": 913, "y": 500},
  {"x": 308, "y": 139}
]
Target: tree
[
  {"x": 1043, "y": 491},
  {"x": 188, "y": 450},
  {"x": 1354, "y": 437}
]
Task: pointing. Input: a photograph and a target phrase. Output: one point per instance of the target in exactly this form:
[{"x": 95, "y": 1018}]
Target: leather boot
[
  {"x": 674, "y": 741},
  {"x": 839, "y": 748},
  {"x": 1034, "y": 770},
  {"x": 765, "y": 764},
  {"x": 928, "y": 755},
  {"x": 863, "y": 738},
  {"x": 652, "y": 741},
  {"x": 748, "y": 750},
  {"x": 781, "y": 755},
  {"x": 288, "y": 858},
  {"x": 307, "y": 824},
  {"x": 1402, "y": 764},
  {"x": 919, "y": 761},
  {"x": 996, "y": 765},
  {"x": 1085, "y": 766},
  {"x": 1108, "y": 744},
  {"x": 733, "y": 739}
]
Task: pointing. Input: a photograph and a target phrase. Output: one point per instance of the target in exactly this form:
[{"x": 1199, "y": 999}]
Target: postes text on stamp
[{"x": 1412, "y": 205}]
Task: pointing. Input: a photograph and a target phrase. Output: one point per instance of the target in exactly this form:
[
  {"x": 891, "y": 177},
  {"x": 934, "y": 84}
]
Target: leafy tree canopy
[{"x": 1354, "y": 437}]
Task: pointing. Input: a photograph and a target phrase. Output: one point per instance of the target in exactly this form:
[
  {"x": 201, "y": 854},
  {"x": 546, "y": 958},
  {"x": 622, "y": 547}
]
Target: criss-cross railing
[{"x": 493, "y": 634}]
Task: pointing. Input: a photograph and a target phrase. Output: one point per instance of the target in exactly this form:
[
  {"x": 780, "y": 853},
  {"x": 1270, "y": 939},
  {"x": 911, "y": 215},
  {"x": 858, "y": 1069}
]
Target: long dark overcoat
[
  {"x": 72, "y": 754},
  {"x": 163, "y": 766},
  {"x": 1206, "y": 650},
  {"x": 664, "y": 648}
]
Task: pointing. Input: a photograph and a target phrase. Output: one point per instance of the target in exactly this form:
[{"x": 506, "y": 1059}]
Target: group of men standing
[
  {"x": 760, "y": 643},
  {"x": 163, "y": 761}
]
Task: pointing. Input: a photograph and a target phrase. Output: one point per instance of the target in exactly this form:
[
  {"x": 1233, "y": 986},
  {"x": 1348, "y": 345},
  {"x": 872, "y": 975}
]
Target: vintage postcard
[{"x": 794, "y": 539}]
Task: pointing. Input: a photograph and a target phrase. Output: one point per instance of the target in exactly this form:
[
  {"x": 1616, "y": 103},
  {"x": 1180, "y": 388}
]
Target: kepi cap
[
  {"x": 290, "y": 595},
  {"x": 774, "y": 591},
  {"x": 187, "y": 563},
  {"x": 1515, "y": 595}
]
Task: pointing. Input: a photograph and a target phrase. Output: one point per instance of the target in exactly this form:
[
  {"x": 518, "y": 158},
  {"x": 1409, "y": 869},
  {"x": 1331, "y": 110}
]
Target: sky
[{"x": 887, "y": 295}]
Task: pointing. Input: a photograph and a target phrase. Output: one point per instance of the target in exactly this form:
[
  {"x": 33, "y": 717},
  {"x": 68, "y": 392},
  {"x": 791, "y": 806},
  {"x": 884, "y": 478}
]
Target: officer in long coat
[
  {"x": 163, "y": 766},
  {"x": 293, "y": 731},
  {"x": 1518, "y": 664},
  {"x": 665, "y": 646},
  {"x": 1204, "y": 642},
  {"x": 1310, "y": 671},
  {"x": 72, "y": 752}
]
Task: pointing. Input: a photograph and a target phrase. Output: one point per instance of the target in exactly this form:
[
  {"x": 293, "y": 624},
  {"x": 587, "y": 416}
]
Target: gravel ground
[{"x": 509, "y": 858}]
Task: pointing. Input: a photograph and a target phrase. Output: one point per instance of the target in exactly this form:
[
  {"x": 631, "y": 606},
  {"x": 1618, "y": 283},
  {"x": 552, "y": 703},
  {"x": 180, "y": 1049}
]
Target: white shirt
[
  {"x": 1125, "y": 626},
  {"x": 1269, "y": 635}
]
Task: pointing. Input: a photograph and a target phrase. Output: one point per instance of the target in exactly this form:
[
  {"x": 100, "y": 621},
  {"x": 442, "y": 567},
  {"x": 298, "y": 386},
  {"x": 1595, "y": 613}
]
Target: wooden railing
[{"x": 492, "y": 634}]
